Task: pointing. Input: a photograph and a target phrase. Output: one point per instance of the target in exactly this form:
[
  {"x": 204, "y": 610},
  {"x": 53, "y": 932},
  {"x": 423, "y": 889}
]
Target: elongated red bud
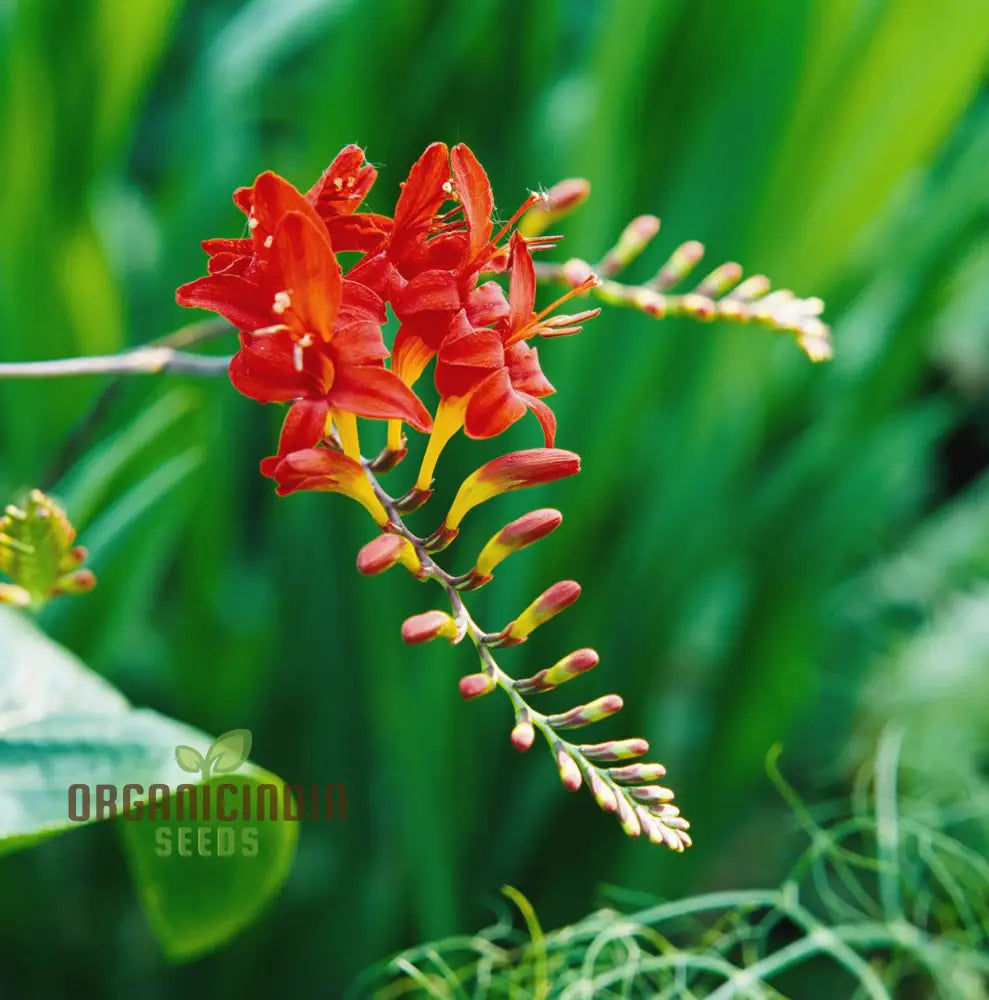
[
  {"x": 385, "y": 551},
  {"x": 547, "y": 605},
  {"x": 577, "y": 272},
  {"x": 720, "y": 280},
  {"x": 427, "y": 626},
  {"x": 556, "y": 203},
  {"x": 584, "y": 715},
  {"x": 635, "y": 237},
  {"x": 572, "y": 665},
  {"x": 614, "y": 750},
  {"x": 512, "y": 538},
  {"x": 79, "y": 582},
  {"x": 603, "y": 794},
  {"x": 515, "y": 471},
  {"x": 569, "y": 772},
  {"x": 632, "y": 774},
  {"x": 652, "y": 794},
  {"x": 682, "y": 261}
]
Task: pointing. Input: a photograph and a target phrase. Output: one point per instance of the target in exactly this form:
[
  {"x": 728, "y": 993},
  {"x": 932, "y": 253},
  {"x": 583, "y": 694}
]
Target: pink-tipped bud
[
  {"x": 523, "y": 735},
  {"x": 682, "y": 261},
  {"x": 577, "y": 272},
  {"x": 632, "y": 774},
  {"x": 751, "y": 289},
  {"x": 720, "y": 280},
  {"x": 569, "y": 772},
  {"x": 547, "y": 605},
  {"x": 584, "y": 715},
  {"x": 516, "y": 536},
  {"x": 385, "y": 551},
  {"x": 428, "y": 626},
  {"x": 652, "y": 794},
  {"x": 514, "y": 471},
  {"x": 572, "y": 665},
  {"x": 80, "y": 582},
  {"x": 556, "y": 203},
  {"x": 614, "y": 750},
  {"x": 635, "y": 237},
  {"x": 77, "y": 556},
  {"x": 475, "y": 685},
  {"x": 627, "y": 817},
  {"x": 602, "y": 792}
]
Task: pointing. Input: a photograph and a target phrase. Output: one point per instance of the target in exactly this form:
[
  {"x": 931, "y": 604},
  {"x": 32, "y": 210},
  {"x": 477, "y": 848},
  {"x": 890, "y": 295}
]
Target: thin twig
[{"x": 147, "y": 360}]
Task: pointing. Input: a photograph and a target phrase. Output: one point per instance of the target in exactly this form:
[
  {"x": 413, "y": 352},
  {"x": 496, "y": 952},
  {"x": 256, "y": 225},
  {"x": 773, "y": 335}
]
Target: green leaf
[{"x": 64, "y": 731}]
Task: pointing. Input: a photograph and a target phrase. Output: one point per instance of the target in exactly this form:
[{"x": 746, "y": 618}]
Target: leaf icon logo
[
  {"x": 227, "y": 753},
  {"x": 189, "y": 759}
]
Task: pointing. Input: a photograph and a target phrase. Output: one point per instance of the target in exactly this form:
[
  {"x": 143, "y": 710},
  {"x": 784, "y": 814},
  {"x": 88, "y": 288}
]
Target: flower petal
[
  {"x": 310, "y": 271},
  {"x": 493, "y": 406},
  {"x": 487, "y": 304},
  {"x": 371, "y": 391},
  {"x": 422, "y": 194},
  {"x": 410, "y": 355},
  {"x": 545, "y": 416},
  {"x": 304, "y": 427},
  {"x": 522, "y": 285},
  {"x": 474, "y": 190},
  {"x": 344, "y": 184},
  {"x": 330, "y": 472},
  {"x": 236, "y": 299}
]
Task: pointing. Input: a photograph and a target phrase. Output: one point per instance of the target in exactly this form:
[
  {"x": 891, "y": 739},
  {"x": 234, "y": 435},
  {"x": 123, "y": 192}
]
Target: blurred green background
[{"x": 770, "y": 551}]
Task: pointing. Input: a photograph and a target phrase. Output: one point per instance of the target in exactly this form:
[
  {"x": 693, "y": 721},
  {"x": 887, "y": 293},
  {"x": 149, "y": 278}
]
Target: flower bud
[
  {"x": 516, "y": 536},
  {"x": 577, "y": 272},
  {"x": 698, "y": 306},
  {"x": 385, "y": 551},
  {"x": 523, "y": 735},
  {"x": 475, "y": 685},
  {"x": 603, "y": 794},
  {"x": 627, "y": 817},
  {"x": 652, "y": 794},
  {"x": 428, "y": 626},
  {"x": 514, "y": 471},
  {"x": 10, "y": 593},
  {"x": 547, "y": 605},
  {"x": 572, "y": 665},
  {"x": 556, "y": 203},
  {"x": 615, "y": 750},
  {"x": 80, "y": 582},
  {"x": 636, "y": 773},
  {"x": 814, "y": 339},
  {"x": 720, "y": 280},
  {"x": 569, "y": 772},
  {"x": 634, "y": 239},
  {"x": 752, "y": 288},
  {"x": 584, "y": 715},
  {"x": 682, "y": 261}
]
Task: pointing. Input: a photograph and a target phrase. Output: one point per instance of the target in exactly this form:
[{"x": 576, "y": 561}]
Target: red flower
[
  {"x": 317, "y": 337},
  {"x": 489, "y": 378}
]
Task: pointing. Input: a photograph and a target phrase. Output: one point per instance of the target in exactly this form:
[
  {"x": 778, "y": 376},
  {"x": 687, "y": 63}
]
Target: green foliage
[
  {"x": 758, "y": 538},
  {"x": 63, "y": 726},
  {"x": 881, "y": 903}
]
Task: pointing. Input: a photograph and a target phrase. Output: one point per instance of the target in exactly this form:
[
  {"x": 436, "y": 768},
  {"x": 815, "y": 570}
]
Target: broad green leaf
[{"x": 64, "y": 732}]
